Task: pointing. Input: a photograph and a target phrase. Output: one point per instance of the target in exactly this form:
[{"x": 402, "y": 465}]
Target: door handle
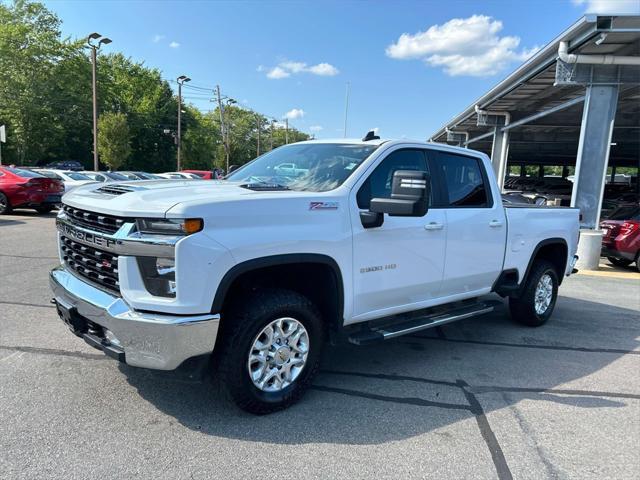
[
  {"x": 434, "y": 226},
  {"x": 495, "y": 223}
]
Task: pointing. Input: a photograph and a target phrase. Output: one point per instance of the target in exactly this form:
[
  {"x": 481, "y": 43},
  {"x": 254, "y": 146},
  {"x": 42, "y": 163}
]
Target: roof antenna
[{"x": 371, "y": 135}]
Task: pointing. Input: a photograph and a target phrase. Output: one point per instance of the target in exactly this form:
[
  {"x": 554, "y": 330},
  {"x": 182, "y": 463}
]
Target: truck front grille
[
  {"x": 98, "y": 266},
  {"x": 94, "y": 221}
]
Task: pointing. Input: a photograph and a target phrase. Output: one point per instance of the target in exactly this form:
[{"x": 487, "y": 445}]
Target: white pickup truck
[{"x": 253, "y": 274}]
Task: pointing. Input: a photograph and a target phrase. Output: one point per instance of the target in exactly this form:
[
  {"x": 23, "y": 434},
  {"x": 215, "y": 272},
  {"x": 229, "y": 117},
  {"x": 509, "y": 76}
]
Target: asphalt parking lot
[{"x": 484, "y": 398}]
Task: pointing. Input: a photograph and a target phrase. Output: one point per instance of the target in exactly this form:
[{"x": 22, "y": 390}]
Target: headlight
[
  {"x": 164, "y": 226},
  {"x": 159, "y": 275}
]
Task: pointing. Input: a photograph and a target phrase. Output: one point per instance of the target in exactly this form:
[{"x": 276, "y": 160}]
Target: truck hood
[{"x": 151, "y": 198}]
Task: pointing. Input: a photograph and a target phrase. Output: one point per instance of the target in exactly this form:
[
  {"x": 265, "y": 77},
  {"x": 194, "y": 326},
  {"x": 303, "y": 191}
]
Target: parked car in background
[
  {"x": 205, "y": 174},
  {"x": 140, "y": 175},
  {"x": 105, "y": 176},
  {"x": 21, "y": 188},
  {"x": 289, "y": 170},
  {"x": 180, "y": 175},
  {"x": 70, "y": 179},
  {"x": 66, "y": 165},
  {"x": 621, "y": 239}
]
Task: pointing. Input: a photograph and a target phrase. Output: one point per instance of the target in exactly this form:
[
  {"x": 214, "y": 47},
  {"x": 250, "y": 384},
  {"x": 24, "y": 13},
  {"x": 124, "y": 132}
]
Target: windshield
[
  {"x": 77, "y": 176},
  {"x": 627, "y": 212},
  {"x": 314, "y": 167},
  {"x": 115, "y": 176}
]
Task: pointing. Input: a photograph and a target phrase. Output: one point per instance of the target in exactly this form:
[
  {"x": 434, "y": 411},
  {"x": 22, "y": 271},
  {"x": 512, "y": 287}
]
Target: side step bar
[{"x": 375, "y": 334}]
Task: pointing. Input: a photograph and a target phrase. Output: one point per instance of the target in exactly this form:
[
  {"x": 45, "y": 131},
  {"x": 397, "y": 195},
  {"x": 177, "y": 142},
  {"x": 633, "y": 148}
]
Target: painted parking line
[{"x": 611, "y": 274}]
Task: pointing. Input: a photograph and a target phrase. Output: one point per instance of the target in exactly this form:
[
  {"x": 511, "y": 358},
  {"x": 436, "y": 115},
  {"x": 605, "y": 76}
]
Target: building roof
[{"x": 531, "y": 89}]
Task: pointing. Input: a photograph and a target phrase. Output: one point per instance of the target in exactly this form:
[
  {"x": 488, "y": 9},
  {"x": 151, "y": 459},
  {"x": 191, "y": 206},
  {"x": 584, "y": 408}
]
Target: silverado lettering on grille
[{"x": 86, "y": 237}]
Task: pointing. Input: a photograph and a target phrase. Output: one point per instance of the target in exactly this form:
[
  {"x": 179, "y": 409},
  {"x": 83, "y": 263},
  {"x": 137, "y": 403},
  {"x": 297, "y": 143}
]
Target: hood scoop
[{"x": 116, "y": 189}]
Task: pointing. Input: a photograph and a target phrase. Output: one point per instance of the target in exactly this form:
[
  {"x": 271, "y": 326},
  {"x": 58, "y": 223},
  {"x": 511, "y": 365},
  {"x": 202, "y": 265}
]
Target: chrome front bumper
[{"x": 149, "y": 340}]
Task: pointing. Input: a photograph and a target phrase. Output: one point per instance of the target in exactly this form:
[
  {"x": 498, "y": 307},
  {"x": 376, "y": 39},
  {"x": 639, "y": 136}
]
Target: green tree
[{"x": 114, "y": 139}]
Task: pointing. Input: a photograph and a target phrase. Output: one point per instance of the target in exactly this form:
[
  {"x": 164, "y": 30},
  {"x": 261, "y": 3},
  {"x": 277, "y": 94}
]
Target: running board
[{"x": 375, "y": 334}]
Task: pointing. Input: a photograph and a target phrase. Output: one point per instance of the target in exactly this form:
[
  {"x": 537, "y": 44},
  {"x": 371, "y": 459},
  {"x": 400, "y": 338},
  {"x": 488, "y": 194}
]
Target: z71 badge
[{"x": 323, "y": 205}]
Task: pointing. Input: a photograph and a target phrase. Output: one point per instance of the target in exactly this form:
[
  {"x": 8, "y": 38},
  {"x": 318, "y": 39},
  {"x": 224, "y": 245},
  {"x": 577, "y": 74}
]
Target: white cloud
[
  {"x": 609, "y": 6},
  {"x": 462, "y": 46},
  {"x": 174, "y": 44},
  {"x": 287, "y": 68},
  {"x": 323, "y": 69},
  {"x": 157, "y": 37},
  {"x": 315, "y": 128},
  {"x": 277, "y": 73},
  {"x": 294, "y": 113}
]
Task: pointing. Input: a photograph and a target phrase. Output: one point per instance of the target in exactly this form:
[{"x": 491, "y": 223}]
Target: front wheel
[
  {"x": 270, "y": 350},
  {"x": 534, "y": 307},
  {"x": 42, "y": 209}
]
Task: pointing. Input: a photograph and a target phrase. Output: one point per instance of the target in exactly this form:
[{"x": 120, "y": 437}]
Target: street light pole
[
  {"x": 181, "y": 79},
  {"x": 259, "y": 120},
  {"x": 346, "y": 108},
  {"x": 94, "y": 84}
]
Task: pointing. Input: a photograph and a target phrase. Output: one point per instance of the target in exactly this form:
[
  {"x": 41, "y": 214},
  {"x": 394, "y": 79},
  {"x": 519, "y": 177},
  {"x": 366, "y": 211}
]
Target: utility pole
[
  {"x": 346, "y": 109},
  {"x": 286, "y": 131},
  {"x": 271, "y": 135},
  {"x": 94, "y": 84},
  {"x": 223, "y": 130},
  {"x": 259, "y": 128},
  {"x": 3, "y": 139},
  {"x": 181, "y": 79}
]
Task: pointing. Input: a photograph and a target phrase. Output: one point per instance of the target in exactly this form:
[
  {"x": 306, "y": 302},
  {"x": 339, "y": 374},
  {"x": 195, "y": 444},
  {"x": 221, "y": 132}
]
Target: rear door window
[{"x": 464, "y": 180}]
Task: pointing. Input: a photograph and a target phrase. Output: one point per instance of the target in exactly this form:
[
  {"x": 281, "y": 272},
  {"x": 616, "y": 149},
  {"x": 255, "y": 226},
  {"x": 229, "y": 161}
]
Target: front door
[{"x": 400, "y": 264}]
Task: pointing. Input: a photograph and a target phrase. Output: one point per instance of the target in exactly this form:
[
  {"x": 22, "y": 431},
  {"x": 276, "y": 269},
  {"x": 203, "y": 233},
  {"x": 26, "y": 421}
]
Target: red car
[
  {"x": 621, "y": 239},
  {"x": 206, "y": 174},
  {"x": 22, "y": 188}
]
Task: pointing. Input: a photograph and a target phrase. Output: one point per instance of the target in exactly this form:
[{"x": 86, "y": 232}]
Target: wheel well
[
  {"x": 555, "y": 252},
  {"x": 320, "y": 282}
]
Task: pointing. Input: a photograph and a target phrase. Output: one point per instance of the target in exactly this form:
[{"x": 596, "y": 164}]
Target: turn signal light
[{"x": 192, "y": 225}]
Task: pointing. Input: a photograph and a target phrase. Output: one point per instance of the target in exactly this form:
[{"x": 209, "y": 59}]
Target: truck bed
[{"x": 529, "y": 225}]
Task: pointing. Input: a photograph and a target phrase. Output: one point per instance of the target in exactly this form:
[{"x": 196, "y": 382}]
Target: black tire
[
  {"x": 241, "y": 326},
  {"x": 638, "y": 261},
  {"x": 43, "y": 209},
  {"x": 5, "y": 205},
  {"x": 523, "y": 308},
  {"x": 619, "y": 262}
]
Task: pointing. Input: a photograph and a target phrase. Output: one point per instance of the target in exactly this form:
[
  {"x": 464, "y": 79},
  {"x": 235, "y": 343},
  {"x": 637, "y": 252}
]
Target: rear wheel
[
  {"x": 270, "y": 350},
  {"x": 534, "y": 307},
  {"x": 5, "y": 206},
  {"x": 619, "y": 262},
  {"x": 42, "y": 209}
]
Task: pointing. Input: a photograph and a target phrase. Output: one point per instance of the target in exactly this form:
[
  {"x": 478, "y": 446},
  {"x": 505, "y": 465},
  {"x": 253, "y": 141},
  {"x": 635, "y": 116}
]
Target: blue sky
[{"x": 297, "y": 57}]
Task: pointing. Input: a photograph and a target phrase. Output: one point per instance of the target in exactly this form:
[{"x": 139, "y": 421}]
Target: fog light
[
  {"x": 111, "y": 338},
  {"x": 159, "y": 275}
]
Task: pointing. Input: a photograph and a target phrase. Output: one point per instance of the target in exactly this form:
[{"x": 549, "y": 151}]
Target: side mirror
[
  {"x": 410, "y": 193},
  {"x": 371, "y": 219}
]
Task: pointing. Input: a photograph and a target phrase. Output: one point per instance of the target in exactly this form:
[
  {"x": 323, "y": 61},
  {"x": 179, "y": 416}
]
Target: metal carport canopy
[{"x": 546, "y": 118}]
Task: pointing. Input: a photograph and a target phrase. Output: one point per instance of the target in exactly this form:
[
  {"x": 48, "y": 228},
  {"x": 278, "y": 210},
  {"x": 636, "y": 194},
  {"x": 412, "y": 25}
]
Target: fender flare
[
  {"x": 272, "y": 261},
  {"x": 544, "y": 243}
]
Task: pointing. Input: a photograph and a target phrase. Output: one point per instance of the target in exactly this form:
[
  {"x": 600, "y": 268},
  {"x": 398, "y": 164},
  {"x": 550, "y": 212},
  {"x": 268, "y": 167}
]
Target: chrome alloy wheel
[
  {"x": 544, "y": 294},
  {"x": 278, "y": 354}
]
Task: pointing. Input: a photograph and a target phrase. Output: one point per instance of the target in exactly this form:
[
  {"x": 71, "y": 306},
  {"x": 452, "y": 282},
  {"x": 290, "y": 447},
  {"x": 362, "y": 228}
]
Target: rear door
[{"x": 476, "y": 225}]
